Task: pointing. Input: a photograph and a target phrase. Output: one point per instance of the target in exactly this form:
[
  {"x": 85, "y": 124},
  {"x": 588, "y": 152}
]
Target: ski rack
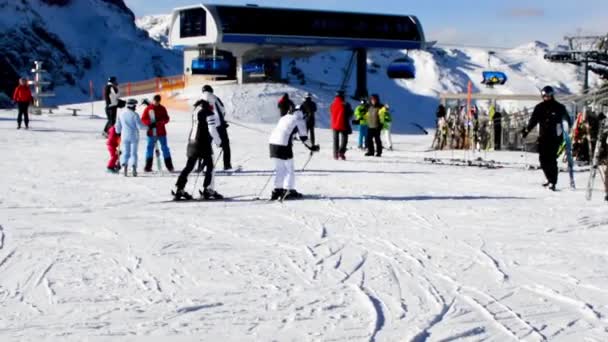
[{"x": 38, "y": 84}]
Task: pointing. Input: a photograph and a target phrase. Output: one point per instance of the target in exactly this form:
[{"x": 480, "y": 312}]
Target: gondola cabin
[
  {"x": 401, "y": 68},
  {"x": 492, "y": 78}
]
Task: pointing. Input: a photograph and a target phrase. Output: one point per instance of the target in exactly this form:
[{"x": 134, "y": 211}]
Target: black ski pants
[
  {"x": 111, "y": 115},
  {"x": 497, "y": 136},
  {"x": 340, "y": 142},
  {"x": 223, "y": 132},
  {"x": 373, "y": 136},
  {"x": 23, "y": 114},
  {"x": 310, "y": 126},
  {"x": 548, "y": 159},
  {"x": 190, "y": 164}
]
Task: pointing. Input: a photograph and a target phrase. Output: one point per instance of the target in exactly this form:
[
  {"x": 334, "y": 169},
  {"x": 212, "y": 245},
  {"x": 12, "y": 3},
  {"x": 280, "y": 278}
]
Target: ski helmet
[
  {"x": 548, "y": 91},
  {"x": 131, "y": 103},
  {"x": 309, "y": 96},
  {"x": 207, "y": 88},
  {"x": 112, "y": 79}
]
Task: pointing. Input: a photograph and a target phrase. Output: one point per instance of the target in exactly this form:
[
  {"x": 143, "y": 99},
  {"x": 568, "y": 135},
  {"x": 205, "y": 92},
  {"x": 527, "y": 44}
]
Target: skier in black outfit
[
  {"x": 548, "y": 115},
  {"x": 285, "y": 105},
  {"x": 309, "y": 108},
  {"x": 112, "y": 95},
  {"x": 218, "y": 107},
  {"x": 199, "y": 147}
]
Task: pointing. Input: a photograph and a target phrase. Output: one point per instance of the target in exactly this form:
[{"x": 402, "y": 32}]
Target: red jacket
[
  {"x": 22, "y": 94},
  {"x": 338, "y": 115},
  {"x": 161, "y": 116},
  {"x": 113, "y": 138}
]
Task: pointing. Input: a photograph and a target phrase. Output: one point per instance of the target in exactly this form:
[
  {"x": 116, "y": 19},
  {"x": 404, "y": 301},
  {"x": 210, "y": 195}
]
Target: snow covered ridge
[
  {"x": 78, "y": 41},
  {"x": 157, "y": 27}
]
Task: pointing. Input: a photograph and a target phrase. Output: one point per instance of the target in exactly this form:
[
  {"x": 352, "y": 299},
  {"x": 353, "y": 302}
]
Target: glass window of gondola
[{"x": 193, "y": 23}]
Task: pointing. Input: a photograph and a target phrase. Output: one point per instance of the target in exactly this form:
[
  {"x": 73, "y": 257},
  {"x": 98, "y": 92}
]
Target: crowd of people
[{"x": 209, "y": 126}]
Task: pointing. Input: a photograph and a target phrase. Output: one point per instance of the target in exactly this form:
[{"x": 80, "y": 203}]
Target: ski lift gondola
[
  {"x": 401, "y": 68},
  {"x": 492, "y": 78}
]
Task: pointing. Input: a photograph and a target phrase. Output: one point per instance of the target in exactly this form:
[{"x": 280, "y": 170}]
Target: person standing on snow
[
  {"x": 112, "y": 97},
  {"x": 387, "y": 121},
  {"x": 340, "y": 114},
  {"x": 155, "y": 116},
  {"x": 128, "y": 125},
  {"x": 23, "y": 97},
  {"x": 360, "y": 112},
  {"x": 309, "y": 108},
  {"x": 285, "y": 105},
  {"x": 281, "y": 152},
  {"x": 218, "y": 107},
  {"x": 113, "y": 142},
  {"x": 204, "y": 131},
  {"x": 374, "y": 124},
  {"x": 548, "y": 115}
]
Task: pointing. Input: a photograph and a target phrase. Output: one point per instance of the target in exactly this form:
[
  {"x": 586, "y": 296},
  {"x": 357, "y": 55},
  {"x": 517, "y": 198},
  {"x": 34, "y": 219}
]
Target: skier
[
  {"x": 497, "y": 120},
  {"x": 387, "y": 121},
  {"x": 112, "y": 95},
  {"x": 340, "y": 114},
  {"x": 285, "y": 105},
  {"x": 360, "y": 112},
  {"x": 128, "y": 125},
  {"x": 218, "y": 107},
  {"x": 113, "y": 142},
  {"x": 199, "y": 147},
  {"x": 374, "y": 126},
  {"x": 548, "y": 115},
  {"x": 281, "y": 153},
  {"x": 309, "y": 108},
  {"x": 155, "y": 116},
  {"x": 23, "y": 97}
]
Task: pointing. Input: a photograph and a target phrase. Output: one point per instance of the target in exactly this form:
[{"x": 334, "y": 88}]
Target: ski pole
[
  {"x": 308, "y": 161},
  {"x": 265, "y": 185}
]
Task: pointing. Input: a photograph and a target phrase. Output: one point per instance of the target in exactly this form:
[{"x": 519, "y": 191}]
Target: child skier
[
  {"x": 281, "y": 153},
  {"x": 113, "y": 143},
  {"x": 128, "y": 125},
  {"x": 199, "y": 147},
  {"x": 387, "y": 120},
  {"x": 360, "y": 112}
]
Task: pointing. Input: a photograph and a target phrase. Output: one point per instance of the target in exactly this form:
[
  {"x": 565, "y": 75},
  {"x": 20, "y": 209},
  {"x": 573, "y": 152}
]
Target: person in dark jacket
[
  {"x": 374, "y": 126},
  {"x": 548, "y": 115},
  {"x": 112, "y": 98},
  {"x": 155, "y": 116},
  {"x": 23, "y": 97},
  {"x": 497, "y": 130},
  {"x": 340, "y": 115},
  {"x": 199, "y": 147},
  {"x": 309, "y": 108},
  {"x": 218, "y": 107},
  {"x": 286, "y": 105}
]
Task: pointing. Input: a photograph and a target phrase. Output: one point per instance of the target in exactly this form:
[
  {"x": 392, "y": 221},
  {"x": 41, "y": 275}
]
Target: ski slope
[{"x": 384, "y": 249}]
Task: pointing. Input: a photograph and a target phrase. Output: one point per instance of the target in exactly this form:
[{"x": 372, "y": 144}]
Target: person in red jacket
[
  {"x": 340, "y": 114},
  {"x": 23, "y": 97},
  {"x": 113, "y": 143},
  {"x": 155, "y": 116}
]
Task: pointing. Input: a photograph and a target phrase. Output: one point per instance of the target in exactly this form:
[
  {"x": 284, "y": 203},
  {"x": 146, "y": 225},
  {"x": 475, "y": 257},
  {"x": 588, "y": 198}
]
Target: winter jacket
[
  {"x": 340, "y": 113},
  {"x": 549, "y": 115},
  {"x": 385, "y": 117},
  {"x": 155, "y": 115},
  {"x": 360, "y": 112},
  {"x": 113, "y": 138},
  {"x": 204, "y": 131},
  {"x": 128, "y": 125},
  {"x": 112, "y": 94},
  {"x": 22, "y": 94},
  {"x": 285, "y": 106},
  {"x": 309, "y": 108},
  {"x": 217, "y": 106},
  {"x": 281, "y": 135}
]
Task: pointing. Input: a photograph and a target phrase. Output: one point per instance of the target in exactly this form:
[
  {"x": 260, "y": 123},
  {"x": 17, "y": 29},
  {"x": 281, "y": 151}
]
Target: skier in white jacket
[
  {"x": 281, "y": 153},
  {"x": 128, "y": 126}
]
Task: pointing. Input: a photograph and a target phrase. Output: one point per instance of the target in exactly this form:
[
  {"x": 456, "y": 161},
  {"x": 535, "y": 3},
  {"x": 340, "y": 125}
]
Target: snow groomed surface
[{"x": 386, "y": 249}]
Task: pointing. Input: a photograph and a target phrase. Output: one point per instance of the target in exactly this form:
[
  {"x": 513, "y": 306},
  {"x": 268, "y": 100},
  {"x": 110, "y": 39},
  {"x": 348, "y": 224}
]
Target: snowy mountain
[
  {"x": 78, "y": 41},
  {"x": 157, "y": 27},
  {"x": 438, "y": 70}
]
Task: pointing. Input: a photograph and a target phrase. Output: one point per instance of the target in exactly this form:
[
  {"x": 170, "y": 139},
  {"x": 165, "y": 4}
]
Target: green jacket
[
  {"x": 360, "y": 113},
  {"x": 385, "y": 117}
]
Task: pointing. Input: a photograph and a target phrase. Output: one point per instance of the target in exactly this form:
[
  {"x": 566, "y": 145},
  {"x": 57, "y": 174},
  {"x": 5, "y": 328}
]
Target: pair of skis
[{"x": 595, "y": 159}]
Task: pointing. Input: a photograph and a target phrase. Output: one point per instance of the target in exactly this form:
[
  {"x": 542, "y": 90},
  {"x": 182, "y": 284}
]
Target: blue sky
[{"x": 473, "y": 22}]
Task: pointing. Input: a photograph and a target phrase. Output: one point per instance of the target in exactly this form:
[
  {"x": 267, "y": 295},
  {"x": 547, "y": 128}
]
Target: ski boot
[
  {"x": 169, "y": 164},
  {"x": 277, "y": 194},
  {"x": 210, "y": 194},
  {"x": 342, "y": 156},
  {"x": 292, "y": 194},
  {"x": 148, "y": 167},
  {"x": 125, "y": 170},
  {"x": 111, "y": 170},
  {"x": 134, "y": 171},
  {"x": 606, "y": 198},
  {"x": 180, "y": 195},
  {"x": 552, "y": 187}
]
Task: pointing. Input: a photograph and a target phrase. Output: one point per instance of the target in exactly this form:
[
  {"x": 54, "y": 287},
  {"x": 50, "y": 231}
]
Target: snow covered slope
[
  {"x": 78, "y": 41},
  {"x": 386, "y": 249},
  {"x": 157, "y": 27}
]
